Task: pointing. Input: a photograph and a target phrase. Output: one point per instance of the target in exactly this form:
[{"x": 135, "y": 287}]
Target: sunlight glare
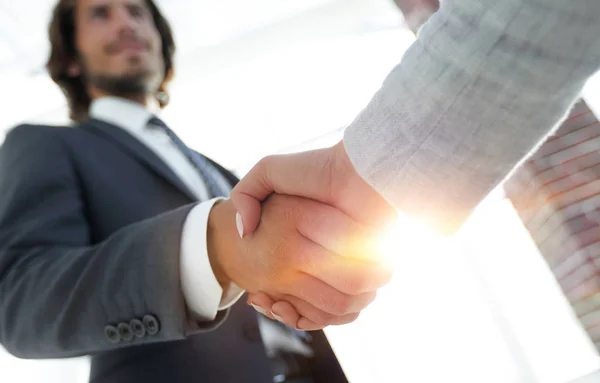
[{"x": 408, "y": 236}]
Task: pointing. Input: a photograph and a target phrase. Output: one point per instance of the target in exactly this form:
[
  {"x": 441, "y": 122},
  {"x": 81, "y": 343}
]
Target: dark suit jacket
[{"x": 90, "y": 227}]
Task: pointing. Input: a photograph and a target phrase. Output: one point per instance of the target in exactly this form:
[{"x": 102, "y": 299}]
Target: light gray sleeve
[{"x": 485, "y": 81}]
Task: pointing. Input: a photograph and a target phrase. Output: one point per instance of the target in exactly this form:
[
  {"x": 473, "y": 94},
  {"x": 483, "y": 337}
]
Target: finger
[
  {"x": 284, "y": 312},
  {"x": 262, "y": 303},
  {"x": 302, "y": 174},
  {"x": 349, "y": 276},
  {"x": 318, "y": 318},
  {"x": 306, "y": 324},
  {"x": 338, "y": 232},
  {"x": 248, "y": 210},
  {"x": 326, "y": 298}
]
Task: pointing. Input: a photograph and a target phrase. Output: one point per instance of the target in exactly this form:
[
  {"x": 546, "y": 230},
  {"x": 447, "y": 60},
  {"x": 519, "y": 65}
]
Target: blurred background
[{"x": 273, "y": 76}]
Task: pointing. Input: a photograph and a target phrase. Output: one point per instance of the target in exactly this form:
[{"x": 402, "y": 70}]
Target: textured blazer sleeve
[
  {"x": 57, "y": 292},
  {"x": 484, "y": 82}
]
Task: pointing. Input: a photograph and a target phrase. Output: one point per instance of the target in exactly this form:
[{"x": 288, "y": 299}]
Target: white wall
[{"x": 590, "y": 378}]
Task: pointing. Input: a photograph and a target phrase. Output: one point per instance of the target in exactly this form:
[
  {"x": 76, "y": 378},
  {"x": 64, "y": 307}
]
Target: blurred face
[{"x": 119, "y": 48}]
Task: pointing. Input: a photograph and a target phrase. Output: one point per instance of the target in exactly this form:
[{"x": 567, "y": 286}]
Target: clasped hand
[{"x": 309, "y": 255}]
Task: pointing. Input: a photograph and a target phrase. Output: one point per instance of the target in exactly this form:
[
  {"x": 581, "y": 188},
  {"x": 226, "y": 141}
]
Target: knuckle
[
  {"x": 368, "y": 298},
  {"x": 264, "y": 162},
  {"x": 259, "y": 171},
  {"x": 323, "y": 319},
  {"x": 353, "y": 317},
  {"x": 358, "y": 284},
  {"x": 342, "y": 305},
  {"x": 345, "y": 305},
  {"x": 346, "y": 319}
]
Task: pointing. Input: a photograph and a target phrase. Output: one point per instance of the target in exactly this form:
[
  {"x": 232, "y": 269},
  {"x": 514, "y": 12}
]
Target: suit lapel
[
  {"x": 231, "y": 178},
  {"x": 138, "y": 150}
]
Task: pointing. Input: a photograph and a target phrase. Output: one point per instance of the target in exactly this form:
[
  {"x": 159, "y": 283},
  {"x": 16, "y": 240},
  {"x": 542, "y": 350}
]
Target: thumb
[
  {"x": 248, "y": 211},
  {"x": 248, "y": 195},
  {"x": 302, "y": 174}
]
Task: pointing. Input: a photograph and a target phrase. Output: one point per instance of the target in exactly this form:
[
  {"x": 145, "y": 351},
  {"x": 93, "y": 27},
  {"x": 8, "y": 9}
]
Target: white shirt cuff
[{"x": 203, "y": 294}]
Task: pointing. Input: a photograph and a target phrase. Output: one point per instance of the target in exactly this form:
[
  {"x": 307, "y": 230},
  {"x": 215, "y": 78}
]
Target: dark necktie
[{"x": 216, "y": 183}]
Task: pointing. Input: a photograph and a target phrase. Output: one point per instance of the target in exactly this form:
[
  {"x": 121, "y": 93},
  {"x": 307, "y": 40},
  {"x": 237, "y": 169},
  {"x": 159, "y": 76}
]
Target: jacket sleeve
[
  {"x": 60, "y": 296},
  {"x": 483, "y": 84}
]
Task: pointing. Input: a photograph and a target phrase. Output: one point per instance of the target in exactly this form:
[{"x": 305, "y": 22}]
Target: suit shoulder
[
  {"x": 36, "y": 129},
  {"x": 36, "y": 133},
  {"x": 33, "y": 139}
]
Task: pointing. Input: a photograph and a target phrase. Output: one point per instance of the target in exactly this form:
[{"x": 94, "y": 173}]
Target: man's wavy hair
[{"x": 64, "y": 51}]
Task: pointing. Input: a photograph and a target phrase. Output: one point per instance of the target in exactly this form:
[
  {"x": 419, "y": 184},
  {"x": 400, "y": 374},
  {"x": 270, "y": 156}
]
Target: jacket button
[
  {"x": 151, "y": 324},
  {"x": 137, "y": 327},
  {"x": 112, "y": 334},
  {"x": 125, "y": 331}
]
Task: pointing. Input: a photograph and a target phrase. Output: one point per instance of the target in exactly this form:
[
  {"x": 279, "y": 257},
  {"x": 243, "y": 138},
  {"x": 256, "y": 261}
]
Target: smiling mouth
[
  {"x": 128, "y": 47},
  {"x": 131, "y": 49}
]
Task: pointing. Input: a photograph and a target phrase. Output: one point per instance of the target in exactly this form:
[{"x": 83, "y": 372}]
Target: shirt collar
[{"x": 123, "y": 113}]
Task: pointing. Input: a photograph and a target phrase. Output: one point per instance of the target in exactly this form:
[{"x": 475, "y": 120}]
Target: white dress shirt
[{"x": 202, "y": 292}]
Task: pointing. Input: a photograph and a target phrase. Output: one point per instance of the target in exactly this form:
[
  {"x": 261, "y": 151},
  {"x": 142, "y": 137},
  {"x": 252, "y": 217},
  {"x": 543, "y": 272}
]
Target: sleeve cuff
[
  {"x": 230, "y": 296},
  {"x": 203, "y": 294}
]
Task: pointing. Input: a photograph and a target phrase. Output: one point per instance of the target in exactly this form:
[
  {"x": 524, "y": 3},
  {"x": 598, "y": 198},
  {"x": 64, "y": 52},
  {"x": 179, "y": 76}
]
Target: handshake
[{"x": 305, "y": 240}]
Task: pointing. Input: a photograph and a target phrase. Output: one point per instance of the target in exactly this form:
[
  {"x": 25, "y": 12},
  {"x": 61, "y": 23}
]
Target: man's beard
[
  {"x": 126, "y": 85},
  {"x": 135, "y": 83}
]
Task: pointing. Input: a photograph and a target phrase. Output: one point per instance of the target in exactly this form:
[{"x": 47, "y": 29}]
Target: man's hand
[{"x": 302, "y": 252}]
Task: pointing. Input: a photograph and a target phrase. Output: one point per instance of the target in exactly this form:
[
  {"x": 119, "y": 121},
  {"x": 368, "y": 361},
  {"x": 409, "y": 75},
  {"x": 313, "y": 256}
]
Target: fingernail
[
  {"x": 240, "y": 224},
  {"x": 260, "y": 309},
  {"x": 277, "y": 317}
]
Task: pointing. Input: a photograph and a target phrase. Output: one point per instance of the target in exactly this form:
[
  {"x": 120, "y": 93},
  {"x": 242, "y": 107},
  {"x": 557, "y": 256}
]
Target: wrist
[
  {"x": 345, "y": 174},
  {"x": 342, "y": 161},
  {"x": 220, "y": 239},
  {"x": 350, "y": 190}
]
